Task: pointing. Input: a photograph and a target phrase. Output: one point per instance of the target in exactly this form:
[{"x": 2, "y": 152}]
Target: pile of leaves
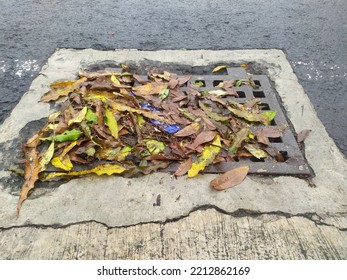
[{"x": 112, "y": 122}]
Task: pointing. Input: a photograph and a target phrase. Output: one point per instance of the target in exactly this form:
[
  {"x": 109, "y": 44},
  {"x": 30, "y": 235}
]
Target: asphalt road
[{"x": 313, "y": 34}]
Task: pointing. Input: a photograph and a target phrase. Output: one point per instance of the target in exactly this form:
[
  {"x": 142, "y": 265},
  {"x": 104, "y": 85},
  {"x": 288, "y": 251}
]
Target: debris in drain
[{"x": 117, "y": 122}]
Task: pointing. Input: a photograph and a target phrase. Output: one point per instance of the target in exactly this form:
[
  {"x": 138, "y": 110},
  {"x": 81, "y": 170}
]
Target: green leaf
[
  {"x": 91, "y": 116},
  {"x": 238, "y": 83},
  {"x": 269, "y": 115},
  {"x": 199, "y": 83},
  {"x": 111, "y": 122},
  {"x": 154, "y": 146},
  {"x": 164, "y": 94},
  {"x": 68, "y": 135}
]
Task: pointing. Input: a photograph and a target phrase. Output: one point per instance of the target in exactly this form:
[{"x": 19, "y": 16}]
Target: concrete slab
[{"x": 118, "y": 202}]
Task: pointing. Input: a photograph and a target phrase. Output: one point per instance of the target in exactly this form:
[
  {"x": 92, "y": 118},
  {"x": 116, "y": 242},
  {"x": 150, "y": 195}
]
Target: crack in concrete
[{"x": 314, "y": 217}]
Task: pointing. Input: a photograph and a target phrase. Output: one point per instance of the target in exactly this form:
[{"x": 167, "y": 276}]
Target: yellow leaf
[
  {"x": 79, "y": 117},
  {"x": 62, "y": 163},
  {"x": 47, "y": 156},
  {"x": 115, "y": 80},
  {"x": 218, "y": 68},
  {"x": 111, "y": 123},
  {"x": 207, "y": 157},
  {"x": 63, "y": 160},
  {"x": 107, "y": 169},
  {"x": 258, "y": 153}
]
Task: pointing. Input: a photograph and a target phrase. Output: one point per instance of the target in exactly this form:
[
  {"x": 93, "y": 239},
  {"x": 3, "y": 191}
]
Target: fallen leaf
[
  {"x": 68, "y": 135},
  {"x": 55, "y": 94},
  {"x": 155, "y": 147},
  {"x": 240, "y": 136},
  {"x": 111, "y": 122},
  {"x": 31, "y": 174},
  {"x": 151, "y": 88},
  {"x": 103, "y": 169},
  {"x": 79, "y": 116},
  {"x": 47, "y": 156},
  {"x": 230, "y": 178},
  {"x": 188, "y": 130},
  {"x": 251, "y": 117},
  {"x": 184, "y": 167},
  {"x": 206, "y": 158},
  {"x": 218, "y": 68},
  {"x": 302, "y": 135},
  {"x": 201, "y": 138},
  {"x": 258, "y": 153}
]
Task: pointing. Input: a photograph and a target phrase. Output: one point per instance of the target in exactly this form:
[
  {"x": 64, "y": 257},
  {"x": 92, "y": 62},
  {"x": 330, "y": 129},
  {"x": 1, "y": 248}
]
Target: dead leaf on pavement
[{"x": 230, "y": 178}]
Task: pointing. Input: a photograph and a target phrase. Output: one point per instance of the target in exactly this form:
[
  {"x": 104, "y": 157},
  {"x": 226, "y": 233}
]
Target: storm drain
[{"x": 294, "y": 162}]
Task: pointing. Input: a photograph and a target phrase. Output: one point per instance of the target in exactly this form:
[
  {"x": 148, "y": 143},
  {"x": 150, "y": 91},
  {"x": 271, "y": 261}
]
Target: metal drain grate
[{"x": 294, "y": 164}]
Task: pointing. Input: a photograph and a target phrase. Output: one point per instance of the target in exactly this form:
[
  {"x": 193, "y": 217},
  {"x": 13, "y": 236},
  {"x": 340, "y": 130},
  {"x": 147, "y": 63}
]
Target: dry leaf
[
  {"x": 218, "y": 68},
  {"x": 230, "y": 178},
  {"x": 302, "y": 135},
  {"x": 184, "y": 167},
  {"x": 31, "y": 174}
]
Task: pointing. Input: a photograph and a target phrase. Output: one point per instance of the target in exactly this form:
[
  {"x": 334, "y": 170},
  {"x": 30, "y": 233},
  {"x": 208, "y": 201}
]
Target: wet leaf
[
  {"x": 218, "y": 68},
  {"x": 188, "y": 130},
  {"x": 302, "y": 135},
  {"x": 206, "y": 158},
  {"x": 103, "y": 169},
  {"x": 68, "y": 135},
  {"x": 115, "y": 80},
  {"x": 258, "y": 153},
  {"x": 111, "y": 122},
  {"x": 79, "y": 117},
  {"x": 184, "y": 167},
  {"x": 230, "y": 178},
  {"x": 31, "y": 174}
]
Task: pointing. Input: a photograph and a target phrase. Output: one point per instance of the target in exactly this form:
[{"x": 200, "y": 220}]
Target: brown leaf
[
  {"x": 55, "y": 94},
  {"x": 97, "y": 74},
  {"x": 184, "y": 167},
  {"x": 151, "y": 88},
  {"x": 302, "y": 135},
  {"x": 201, "y": 138},
  {"x": 265, "y": 133},
  {"x": 230, "y": 178},
  {"x": 183, "y": 79},
  {"x": 31, "y": 173},
  {"x": 188, "y": 130}
]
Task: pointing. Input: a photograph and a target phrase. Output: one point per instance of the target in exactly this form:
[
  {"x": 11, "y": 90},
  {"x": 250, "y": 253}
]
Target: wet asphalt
[{"x": 313, "y": 34}]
